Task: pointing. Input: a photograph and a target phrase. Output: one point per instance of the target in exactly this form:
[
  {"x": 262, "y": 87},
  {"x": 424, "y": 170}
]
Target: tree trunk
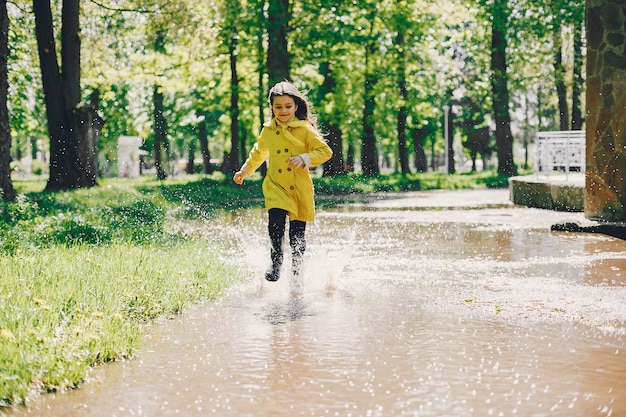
[
  {"x": 335, "y": 165},
  {"x": 499, "y": 86},
  {"x": 88, "y": 126},
  {"x": 433, "y": 159},
  {"x": 559, "y": 78},
  {"x": 160, "y": 135},
  {"x": 233, "y": 163},
  {"x": 261, "y": 65},
  {"x": 369, "y": 154},
  {"x": 450, "y": 128},
  {"x": 402, "y": 112},
  {"x": 421, "y": 164},
  {"x": 190, "y": 167},
  {"x": 277, "y": 54},
  {"x": 71, "y": 154},
  {"x": 350, "y": 159},
  {"x": 6, "y": 185},
  {"x": 579, "y": 81},
  {"x": 204, "y": 148}
]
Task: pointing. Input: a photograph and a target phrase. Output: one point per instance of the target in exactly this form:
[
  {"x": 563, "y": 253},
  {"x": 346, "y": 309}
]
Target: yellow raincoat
[{"x": 287, "y": 188}]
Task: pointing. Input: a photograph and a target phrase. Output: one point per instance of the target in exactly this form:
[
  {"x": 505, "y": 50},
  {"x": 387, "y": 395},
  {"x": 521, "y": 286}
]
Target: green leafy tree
[
  {"x": 73, "y": 143},
  {"x": 231, "y": 13},
  {"x": 401, "y": 19},
  {"x": 378, "y": 75},
  {"x": 500, "y": 89},
  {"x": 323, "y": 45},
  {"x": 277, "y": 30},
  {"x": 369, "y": 150}
]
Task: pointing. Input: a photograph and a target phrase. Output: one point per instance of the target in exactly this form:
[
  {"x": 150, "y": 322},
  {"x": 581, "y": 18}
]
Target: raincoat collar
[
  {"x": 274, "y": 123},
  {"x": 291, "y": 123}
]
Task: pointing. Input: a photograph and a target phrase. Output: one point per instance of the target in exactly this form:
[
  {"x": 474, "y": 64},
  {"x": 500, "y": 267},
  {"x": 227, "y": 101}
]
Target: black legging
[{"x": 276, "y": 229}]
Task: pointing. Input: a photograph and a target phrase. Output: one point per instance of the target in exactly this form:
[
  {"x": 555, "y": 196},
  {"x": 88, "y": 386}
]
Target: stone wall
[{"x": 605, "y": 188}]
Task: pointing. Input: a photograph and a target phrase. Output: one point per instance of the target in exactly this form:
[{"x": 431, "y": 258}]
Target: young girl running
[{"x": 292, "y": 144}]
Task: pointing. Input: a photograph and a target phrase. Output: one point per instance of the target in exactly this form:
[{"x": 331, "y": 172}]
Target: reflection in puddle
[
  {"x": 283, "y": 312},
  {"x": 403, "y": 313}
]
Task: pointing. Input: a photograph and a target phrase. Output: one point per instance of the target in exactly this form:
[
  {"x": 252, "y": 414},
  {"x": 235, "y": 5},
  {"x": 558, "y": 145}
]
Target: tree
[
  {"x": 73, "y": 148},
  {"x": 419, "y": 134},
  {"x": 438, "y": 45},
  {"x": 500, "y": 91},
  {"x": 6, "y": 185},
  {"x": 559, "y": 75},
  {"x": 231, "y": 38},
  {"x": 407, "y": 24},
  {"x": 402, "y": 112},
  {"x": 369, "y": 152},
  {"x": 324, "y": 39},
  {"x": 578, "y": 81},
  {"x": 277, "y": 52},
  {"x": 161, "y": 144},
  {"x": 334, "y": 166},
  {"x": 204, "y": 146}
]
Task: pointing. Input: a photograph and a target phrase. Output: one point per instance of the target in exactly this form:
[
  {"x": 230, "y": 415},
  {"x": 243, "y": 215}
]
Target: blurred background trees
[{"x": 191, "y": 80}]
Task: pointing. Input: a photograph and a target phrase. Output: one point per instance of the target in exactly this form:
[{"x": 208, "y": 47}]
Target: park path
[{"x": 428, "y": 304}]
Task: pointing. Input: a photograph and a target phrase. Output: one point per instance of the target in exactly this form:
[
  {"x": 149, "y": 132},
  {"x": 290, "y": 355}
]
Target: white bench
[{"x": 560, "y": 151}]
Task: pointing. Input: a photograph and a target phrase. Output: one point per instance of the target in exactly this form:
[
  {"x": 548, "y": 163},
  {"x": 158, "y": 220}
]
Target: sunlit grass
[{"x": 67, "y": 308}]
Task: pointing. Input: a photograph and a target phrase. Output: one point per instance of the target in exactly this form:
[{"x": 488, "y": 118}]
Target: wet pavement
[{"x": 425, "y": 304}]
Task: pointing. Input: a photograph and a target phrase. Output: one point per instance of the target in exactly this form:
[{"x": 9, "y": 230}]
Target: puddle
[{"x": 404, "y": 312}]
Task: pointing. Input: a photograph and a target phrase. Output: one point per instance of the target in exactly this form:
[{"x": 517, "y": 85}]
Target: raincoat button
[
  {"x": 278, "y": 151},
  {"x": 278, "y": 132},
  {"x": 286, "y": 150},
  {"x": 292, "y": 187},
  {"x": 280, "y": 170},
  {"x": 288, "y": 169}
]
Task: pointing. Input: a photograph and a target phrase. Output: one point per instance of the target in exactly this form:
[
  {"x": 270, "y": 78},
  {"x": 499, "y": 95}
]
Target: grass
[
  {"x": 82, "y": 272},
  {"x": 71, "y": 307},
  {"x": 358, "y": 184}
]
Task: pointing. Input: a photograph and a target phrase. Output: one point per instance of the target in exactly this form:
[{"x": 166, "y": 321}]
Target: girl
[{"x": 292, "y": 144}]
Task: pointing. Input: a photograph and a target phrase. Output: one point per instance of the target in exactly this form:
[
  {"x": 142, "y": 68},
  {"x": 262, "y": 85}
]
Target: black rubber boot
[
  {"x": 298, "y": 246},
  {"x": 276, "y": 229},
  {"x": 273, "y": 271}
]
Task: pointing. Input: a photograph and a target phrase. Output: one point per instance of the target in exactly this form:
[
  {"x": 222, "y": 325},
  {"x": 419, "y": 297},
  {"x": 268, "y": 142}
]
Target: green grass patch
[
  {"x": 67, "y": 308},
  {"x": 351, "y": 184}
]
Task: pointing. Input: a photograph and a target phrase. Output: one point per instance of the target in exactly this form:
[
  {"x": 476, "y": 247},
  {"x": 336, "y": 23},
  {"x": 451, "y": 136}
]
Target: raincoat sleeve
[
  {"x": 257, "y": 156},
  {"x": 318, "y": 150}
]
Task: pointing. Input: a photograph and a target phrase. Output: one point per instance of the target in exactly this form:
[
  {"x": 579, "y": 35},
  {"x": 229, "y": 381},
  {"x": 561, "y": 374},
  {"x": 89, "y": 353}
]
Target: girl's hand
[
  {"x": 296, "y": 162},
  {"x": 238, "y": 177}
]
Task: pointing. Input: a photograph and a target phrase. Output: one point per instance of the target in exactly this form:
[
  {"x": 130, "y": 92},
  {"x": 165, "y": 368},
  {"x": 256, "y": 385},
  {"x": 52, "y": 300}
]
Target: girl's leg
[
  {"x": 298, "y": 245},
  {"x": 276, "y": 229}
]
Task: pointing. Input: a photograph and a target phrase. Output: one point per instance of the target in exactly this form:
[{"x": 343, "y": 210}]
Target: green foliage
[
  {"x": 96, "y": 216},
  {"x": 140, "y": 221},
  {"x": 22, "y": 209},
  {"x": 446, "y": 53},
  {"x": 70, "y": 230},
  {"x": 207, "y": 195}
]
